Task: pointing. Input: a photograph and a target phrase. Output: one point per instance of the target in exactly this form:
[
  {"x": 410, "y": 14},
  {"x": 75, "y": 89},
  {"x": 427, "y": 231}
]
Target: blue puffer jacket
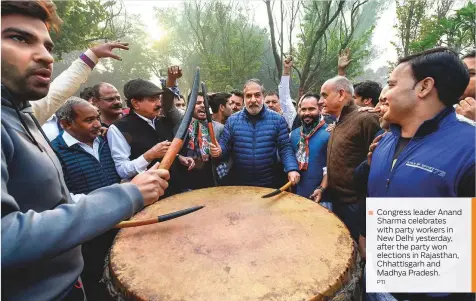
[{"x": 254, "y": 148}]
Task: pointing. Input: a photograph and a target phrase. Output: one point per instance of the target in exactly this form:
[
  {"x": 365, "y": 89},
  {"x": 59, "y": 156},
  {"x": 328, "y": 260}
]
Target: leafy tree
[
  {"x": 217, "y": 36},
  {"x": 457, "y": 31},
  {"x": 327, "y": 28},
  {"x": 87, "y": 21}
]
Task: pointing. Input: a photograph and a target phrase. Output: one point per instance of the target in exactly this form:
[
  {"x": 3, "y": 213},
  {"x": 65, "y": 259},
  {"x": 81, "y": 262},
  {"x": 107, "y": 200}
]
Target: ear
[
  {"x": 95, "y": 101},
  {"x": 341, "y": 95},
  {"x": 367, "y": 101},
  {"x": 65, "y": 124},
  {"x": 425, "y": 87},
  {"x": 135, "y": 104},
  {"x": 222, "y": 108}
]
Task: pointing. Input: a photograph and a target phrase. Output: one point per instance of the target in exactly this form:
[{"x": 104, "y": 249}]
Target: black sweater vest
[{"x": 141, "y": 137}]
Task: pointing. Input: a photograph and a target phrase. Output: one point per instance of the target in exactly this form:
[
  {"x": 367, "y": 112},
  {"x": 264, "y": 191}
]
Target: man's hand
[
  {"x": 316, "y": 196},
  {"x": 152, "y": 184},
  {"x": 173, "y": 73},
  {"x": 293, "y": 177},
  {"x": 331, "y": 127},
  {"x": 187, "y": 161},
  {"x": 215, "y": 150},
  {"x": 467, "y": 108},
  {"x": 343, "y": 61},
  {"x": 362, "y": 247},
  {"x": 288, "y": 64},
  {"x": 370, "y": 109},
  {"x": 103, "y": 131},
  {"x": 372, "y": 147},
  {"x": 157, "y": 151},
  {"x": 105, "y": 50}
]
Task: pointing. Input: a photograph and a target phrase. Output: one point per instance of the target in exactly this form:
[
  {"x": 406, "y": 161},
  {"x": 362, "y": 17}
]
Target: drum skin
[{"x": 240, "y": 247}]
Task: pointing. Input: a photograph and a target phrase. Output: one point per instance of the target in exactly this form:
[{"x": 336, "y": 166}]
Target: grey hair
[
  {"x": 254, "y": 81},
  {"x": 341, "y": 82},
  {"x": 66, "y": 112}
]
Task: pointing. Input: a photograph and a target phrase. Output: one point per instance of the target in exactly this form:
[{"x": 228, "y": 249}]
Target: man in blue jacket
[
  {"x": 429, "y": 151},
  {"x": 253, "y": 137},
  {"x": 309, "y": 143}
]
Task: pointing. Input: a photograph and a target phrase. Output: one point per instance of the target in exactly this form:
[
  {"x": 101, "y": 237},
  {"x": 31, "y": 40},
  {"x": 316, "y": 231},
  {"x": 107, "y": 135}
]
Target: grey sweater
[{"x": 42, "y": 229}]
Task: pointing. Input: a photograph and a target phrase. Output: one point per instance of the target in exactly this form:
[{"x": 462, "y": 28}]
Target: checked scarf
[
  {"x": 302, "y": 154},
  {"x": 199, "y": 137}
]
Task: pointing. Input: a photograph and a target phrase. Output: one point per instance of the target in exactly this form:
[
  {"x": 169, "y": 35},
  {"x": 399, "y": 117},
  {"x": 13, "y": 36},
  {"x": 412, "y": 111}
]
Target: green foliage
[
  {"x": 349, "y": 30},
  {"x": 85, "y": 21},
  {"x": 457, "y": 31},
  {"x": 218, "y": 37}
]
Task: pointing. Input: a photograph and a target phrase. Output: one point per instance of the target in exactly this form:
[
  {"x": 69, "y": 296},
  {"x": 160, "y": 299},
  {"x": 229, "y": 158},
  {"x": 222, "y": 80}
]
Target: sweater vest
[
  {"x": 141, "y": 137},
  {"x": 83, "y": 173}
]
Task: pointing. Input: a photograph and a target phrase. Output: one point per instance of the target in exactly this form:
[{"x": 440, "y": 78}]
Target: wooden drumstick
[
  {"x": 278, "y": 191},
  {"x": 210, "y": 129},
  {"x": 159, "y": 219}
]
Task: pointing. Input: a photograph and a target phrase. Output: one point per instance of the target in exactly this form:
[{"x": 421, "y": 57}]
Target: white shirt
[
  {"x": 50, "y": 127},
  {"x": 70, "y": 141},
  {"x": 121, "y": 150},
  {"x": 289, "y": 111}
]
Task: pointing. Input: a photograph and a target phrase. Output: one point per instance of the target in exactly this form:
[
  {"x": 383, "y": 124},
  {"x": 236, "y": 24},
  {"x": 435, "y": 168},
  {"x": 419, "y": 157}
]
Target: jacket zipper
[{"x": 398, "y": 162}]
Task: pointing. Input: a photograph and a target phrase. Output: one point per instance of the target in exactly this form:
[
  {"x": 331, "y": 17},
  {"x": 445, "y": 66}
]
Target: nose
[
  {"x": 97, "y": 123},
  {"x": 43, "y": 56}
]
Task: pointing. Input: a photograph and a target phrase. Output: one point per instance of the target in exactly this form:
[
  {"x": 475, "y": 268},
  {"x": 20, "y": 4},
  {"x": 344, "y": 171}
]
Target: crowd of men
[{"x": 73, "y": 167}]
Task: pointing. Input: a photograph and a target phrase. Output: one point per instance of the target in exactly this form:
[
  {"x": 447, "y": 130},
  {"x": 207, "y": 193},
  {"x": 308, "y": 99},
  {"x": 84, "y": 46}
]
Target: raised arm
[
  {"x": 289, "y": 111},
  {"x": 68, "y": 82}
]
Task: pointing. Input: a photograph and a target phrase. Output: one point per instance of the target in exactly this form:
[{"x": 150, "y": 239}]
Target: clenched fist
[
  {"x": 157, "y": 151},
  {"x": 152, "y": 184}
]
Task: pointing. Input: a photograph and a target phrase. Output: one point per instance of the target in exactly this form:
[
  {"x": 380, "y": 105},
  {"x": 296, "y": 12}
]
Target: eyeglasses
[{"x": 111, "y": 99}]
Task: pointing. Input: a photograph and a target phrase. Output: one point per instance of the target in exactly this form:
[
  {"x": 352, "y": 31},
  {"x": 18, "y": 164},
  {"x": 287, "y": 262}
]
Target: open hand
[
  {"x": 105, "y": 50},
  {"x": 344, "y": 59},
  {"x": 187, "y": 161}
]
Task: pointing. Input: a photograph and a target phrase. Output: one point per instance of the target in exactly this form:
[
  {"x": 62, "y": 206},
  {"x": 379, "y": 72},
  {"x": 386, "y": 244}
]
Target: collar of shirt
[
  {"x": 150, "y": 122},
  {"x": 70, "y": 141},
  {"x": 53, "y": 117}
]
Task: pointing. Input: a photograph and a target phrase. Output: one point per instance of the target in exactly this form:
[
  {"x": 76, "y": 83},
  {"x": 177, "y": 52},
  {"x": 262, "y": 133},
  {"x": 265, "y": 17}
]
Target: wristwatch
[{"x": 320, "y": 188}]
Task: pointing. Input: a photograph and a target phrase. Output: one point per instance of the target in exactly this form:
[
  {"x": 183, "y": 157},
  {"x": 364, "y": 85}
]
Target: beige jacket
[{"x": 63, "y": 87}]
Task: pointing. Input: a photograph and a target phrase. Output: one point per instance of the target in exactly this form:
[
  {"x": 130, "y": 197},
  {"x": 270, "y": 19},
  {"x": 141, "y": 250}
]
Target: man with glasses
[
  {"x": 108, "y": 100},
  {"x": 347, "y": 148}
]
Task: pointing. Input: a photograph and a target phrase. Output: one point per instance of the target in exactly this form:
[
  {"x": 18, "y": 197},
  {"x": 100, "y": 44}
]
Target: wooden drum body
[{"x": 240, "y": 247}]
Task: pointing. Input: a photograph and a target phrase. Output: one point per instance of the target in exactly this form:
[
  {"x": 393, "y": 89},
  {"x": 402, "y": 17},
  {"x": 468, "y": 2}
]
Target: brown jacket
[{"x": 347, "y": 148}]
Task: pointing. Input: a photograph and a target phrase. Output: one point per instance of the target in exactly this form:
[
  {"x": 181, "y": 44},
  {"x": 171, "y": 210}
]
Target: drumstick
[
  {"x": 210, "y": 129},
  {"x": 159, "y": 219},
  {"x": 278, "y": 191}
]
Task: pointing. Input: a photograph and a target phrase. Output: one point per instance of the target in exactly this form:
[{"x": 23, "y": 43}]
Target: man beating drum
[{"x": 42, "y": 228}]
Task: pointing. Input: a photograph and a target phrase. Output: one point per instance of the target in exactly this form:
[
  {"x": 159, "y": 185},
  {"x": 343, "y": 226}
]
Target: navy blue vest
[{"x": 83, "y": 173}]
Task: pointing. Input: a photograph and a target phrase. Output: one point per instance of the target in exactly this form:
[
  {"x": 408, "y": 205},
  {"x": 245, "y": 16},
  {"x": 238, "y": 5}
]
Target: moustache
[
  {"x": 157, "y": 108},
  {"x": 34, "y": 69},
  {"x": 116, "y": 106}
]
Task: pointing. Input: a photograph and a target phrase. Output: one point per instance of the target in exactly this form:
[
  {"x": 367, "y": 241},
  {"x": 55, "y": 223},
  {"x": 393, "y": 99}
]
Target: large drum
[{"x": 240, "y": 247}]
